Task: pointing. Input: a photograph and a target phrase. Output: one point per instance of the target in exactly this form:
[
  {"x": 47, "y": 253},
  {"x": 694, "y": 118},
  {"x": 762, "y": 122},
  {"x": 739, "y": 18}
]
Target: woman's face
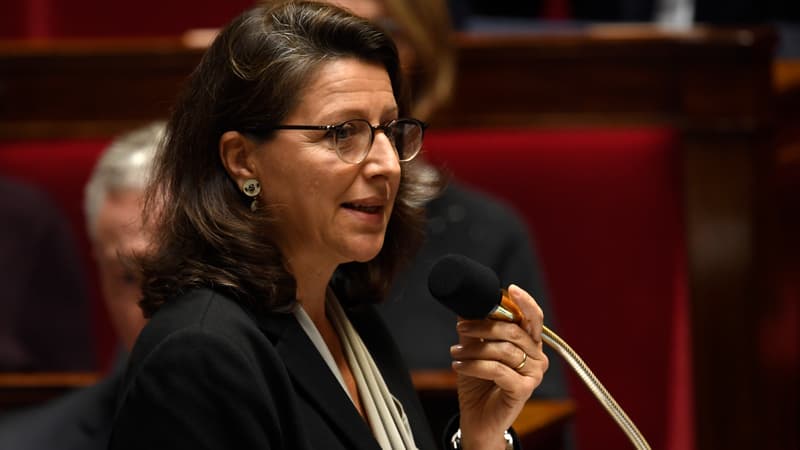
[{"x": 329, "y": 211}]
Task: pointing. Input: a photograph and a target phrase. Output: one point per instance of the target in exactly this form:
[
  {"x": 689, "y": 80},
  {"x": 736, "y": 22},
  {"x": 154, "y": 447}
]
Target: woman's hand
[{"x": 495, "y": 377}]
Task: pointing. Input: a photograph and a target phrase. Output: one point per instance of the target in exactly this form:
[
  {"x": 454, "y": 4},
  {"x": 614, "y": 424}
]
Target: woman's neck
[
  {"x": 312, "y": 278},
  {"x": 312, "y": 288}
]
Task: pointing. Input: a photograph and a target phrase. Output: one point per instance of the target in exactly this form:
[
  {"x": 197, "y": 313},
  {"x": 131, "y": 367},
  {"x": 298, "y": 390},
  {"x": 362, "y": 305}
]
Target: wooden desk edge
[
  {"x": 47, "y": 380},
  {"x": 538, "y": 415}
]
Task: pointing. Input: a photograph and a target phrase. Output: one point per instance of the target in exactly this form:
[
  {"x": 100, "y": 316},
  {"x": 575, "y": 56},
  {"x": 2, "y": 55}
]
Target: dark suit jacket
[
  {"x": 207, "y": 374},
  {"x": 80, "y": 420}
]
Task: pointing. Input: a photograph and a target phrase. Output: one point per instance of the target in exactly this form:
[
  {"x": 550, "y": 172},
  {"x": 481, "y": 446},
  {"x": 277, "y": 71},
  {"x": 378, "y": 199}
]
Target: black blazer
[{"x": 207, "y": 374}]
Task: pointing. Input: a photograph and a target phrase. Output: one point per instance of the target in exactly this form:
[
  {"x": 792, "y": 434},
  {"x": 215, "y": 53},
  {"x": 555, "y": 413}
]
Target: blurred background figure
[
  {"x": 112, "y": 203},
  {"x": 82, "y": 419},
  {"x": 424, "y": 37},
  {"x": 44, "y": 313}
]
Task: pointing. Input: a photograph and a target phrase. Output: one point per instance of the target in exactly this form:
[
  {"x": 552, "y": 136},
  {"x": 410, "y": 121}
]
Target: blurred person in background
[
  {"x": 112, "y": 204},
  {"x": 44, "y": 307}
]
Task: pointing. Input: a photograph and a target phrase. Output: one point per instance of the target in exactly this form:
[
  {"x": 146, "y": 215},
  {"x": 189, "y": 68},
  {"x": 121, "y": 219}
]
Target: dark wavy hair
[{"x": 251, "y": 77}]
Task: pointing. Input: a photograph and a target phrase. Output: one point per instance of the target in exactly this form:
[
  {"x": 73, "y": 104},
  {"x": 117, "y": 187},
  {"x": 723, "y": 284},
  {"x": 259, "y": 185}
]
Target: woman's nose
[{"x": 383, "y": 155}]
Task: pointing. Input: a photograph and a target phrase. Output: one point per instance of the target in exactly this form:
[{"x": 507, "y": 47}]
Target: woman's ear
[{"x": 235, "y": 151}]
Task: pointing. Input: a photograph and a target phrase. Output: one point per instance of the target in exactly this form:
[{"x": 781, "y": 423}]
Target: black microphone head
[{"x": 467, "y": 287}]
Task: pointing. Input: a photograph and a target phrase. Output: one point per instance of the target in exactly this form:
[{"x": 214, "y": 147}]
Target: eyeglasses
[{"x": 352, "y": 139}]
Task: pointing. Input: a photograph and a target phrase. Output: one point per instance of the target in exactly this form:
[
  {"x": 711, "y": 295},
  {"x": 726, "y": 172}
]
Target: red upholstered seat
[{"x": 605, "y": 209}]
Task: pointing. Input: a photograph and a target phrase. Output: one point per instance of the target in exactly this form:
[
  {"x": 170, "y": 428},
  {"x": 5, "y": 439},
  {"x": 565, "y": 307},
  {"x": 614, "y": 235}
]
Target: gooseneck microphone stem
[{"x": 597, "y": 388}]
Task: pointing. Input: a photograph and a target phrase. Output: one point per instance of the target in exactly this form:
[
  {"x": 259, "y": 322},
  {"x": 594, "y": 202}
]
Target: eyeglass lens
[{"x": 353, "y": 139}]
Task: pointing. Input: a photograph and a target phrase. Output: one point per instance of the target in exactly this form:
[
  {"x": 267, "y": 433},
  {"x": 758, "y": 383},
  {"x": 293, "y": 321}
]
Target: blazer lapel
[{"x": 315, "y": 381}]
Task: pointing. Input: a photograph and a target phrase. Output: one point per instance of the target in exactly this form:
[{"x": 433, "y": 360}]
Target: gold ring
[{"x": 522, "y": 364}]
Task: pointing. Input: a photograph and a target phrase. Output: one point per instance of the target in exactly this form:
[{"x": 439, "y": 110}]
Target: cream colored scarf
[{"x": 384, "y": 412}]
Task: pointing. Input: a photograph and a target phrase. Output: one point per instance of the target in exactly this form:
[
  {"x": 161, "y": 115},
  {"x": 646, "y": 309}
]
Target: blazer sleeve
[{"x": 196, "y": 390}]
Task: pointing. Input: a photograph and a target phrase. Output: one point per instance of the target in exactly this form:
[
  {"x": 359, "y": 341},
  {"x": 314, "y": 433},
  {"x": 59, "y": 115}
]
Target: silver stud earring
[{"x": 251, "y": 188}]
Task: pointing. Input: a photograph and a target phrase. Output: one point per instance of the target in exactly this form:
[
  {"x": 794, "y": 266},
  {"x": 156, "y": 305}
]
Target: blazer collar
[{"x": 314, "y": 380}]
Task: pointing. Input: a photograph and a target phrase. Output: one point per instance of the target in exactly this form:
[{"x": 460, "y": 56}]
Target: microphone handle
[{"x": 508, "y": 311}]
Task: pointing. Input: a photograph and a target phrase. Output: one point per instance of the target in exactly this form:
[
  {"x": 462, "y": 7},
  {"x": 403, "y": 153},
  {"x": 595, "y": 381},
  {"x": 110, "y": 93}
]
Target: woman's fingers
[
  {"x": 504, "y": 353},
  {"x": 519, "y": 385},
  {"x": 471, "y": 331},
  {"x": 501, "y": 352},
  {"x": 534, "y": 317}
]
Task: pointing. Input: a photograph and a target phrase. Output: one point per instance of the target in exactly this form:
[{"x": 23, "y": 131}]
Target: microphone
[{"x": 473, "y": 291}]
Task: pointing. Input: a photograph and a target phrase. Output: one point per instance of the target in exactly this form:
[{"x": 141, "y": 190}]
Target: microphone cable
[{"x": 597, "y": 388}]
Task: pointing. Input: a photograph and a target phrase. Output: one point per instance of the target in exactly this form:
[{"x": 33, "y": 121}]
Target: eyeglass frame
[{"x": 372, "y": 129}]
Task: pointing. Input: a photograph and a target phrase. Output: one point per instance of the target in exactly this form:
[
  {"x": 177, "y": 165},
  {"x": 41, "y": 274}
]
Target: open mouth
[{"x": 375, "y": 209}]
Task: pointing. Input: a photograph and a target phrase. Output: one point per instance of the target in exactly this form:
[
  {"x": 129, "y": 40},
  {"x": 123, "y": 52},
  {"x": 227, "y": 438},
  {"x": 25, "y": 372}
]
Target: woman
[{"x": 288, "y": 164}]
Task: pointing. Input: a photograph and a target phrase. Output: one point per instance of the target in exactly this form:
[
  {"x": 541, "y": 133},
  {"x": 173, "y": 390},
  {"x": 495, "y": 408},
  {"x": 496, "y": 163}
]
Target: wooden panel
[
  {"x": 88, "y": 88},
  {"x": 603, "y": 75},
  {"x": 612, "y": 74},
  {"x": 19, "y": 390}
]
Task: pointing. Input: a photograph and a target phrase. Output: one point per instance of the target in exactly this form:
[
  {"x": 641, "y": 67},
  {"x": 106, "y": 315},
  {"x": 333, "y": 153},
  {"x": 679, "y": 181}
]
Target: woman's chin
[
  {"x": 366, "y": 251},
  {"x": 367, "y": 257}
]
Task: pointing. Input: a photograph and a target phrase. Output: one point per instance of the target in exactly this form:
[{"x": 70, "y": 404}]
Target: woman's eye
[{"x": 344, "y": 132}]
